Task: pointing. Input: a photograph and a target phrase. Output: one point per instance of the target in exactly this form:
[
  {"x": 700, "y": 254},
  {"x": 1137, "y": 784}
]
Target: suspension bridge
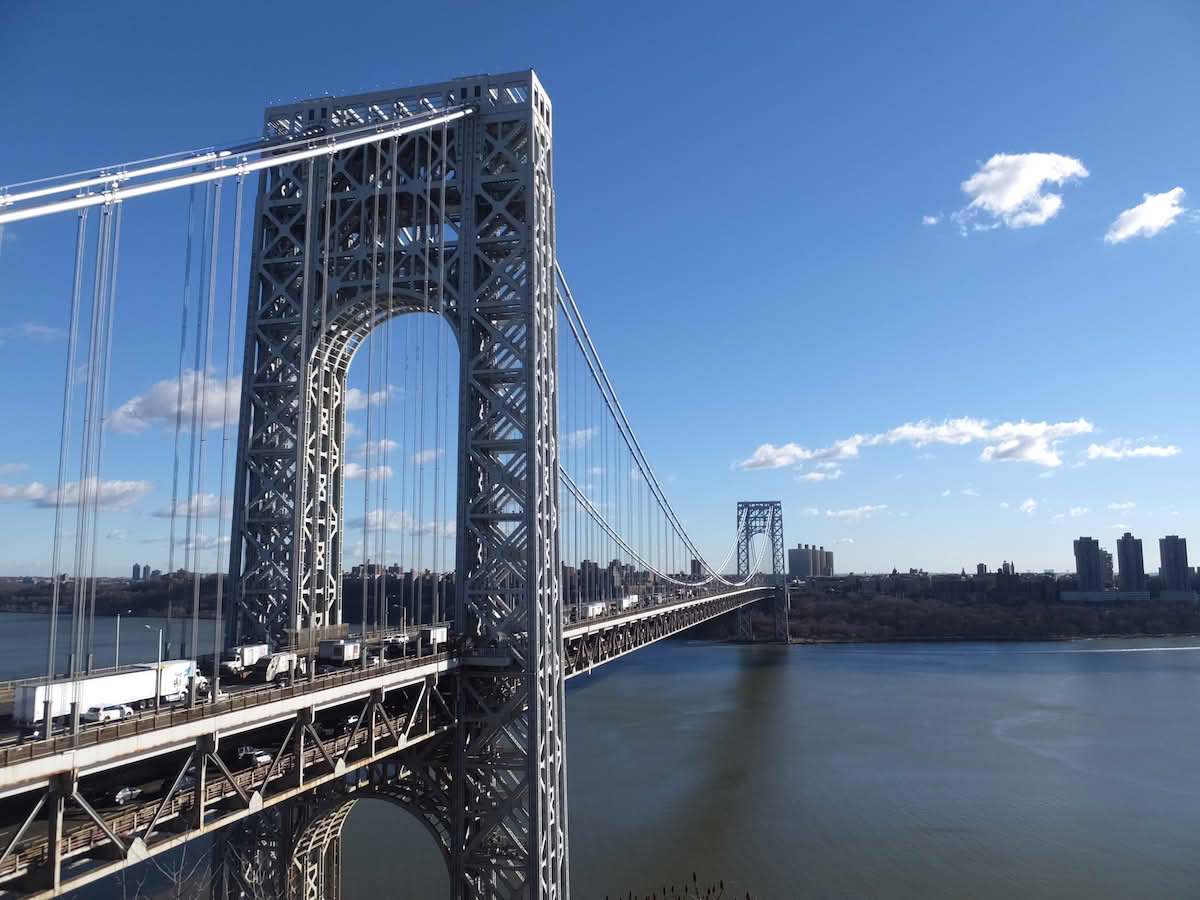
[{"x": 513, "y": 448}]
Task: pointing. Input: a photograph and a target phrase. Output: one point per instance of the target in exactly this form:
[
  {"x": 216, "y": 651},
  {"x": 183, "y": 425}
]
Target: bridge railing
[{"x": 180, "y": 715}]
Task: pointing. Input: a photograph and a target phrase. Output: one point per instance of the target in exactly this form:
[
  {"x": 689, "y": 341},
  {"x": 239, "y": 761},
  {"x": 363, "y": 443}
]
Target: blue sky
[{"x": 742, "y": 208}]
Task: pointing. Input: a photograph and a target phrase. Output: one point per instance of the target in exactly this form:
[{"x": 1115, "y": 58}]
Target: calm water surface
[{"x": 914, "y": 771}]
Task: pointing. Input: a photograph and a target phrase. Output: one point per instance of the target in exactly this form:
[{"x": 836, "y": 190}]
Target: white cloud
[
  {"x": 1122, "y": 449},
  {"x": 827, "y": 475},
  {"x": 844, "y": 541},
  {"x": 30, "y": 331},
  {"x": 351, "y": 429},
  {"x": 1008, "y": 188},
  {"x": 1035, "y": 442},
  {"x": 159, "y": 405},
  {"x": 352, "y": 471},
  {"x": 1119, "y": 526},
  {"x": 596, "y": 470},
  {"x": 1155, "y": 213},
  {"x": 356, "y": 399},
  {"x": 1077, "y": 511},
  {"x": 108, "y": 494},
  {"x": 810, "y": 511},
  {"x": 377, "y": 447},
  {"x": 204, "y": 506},
  {"x": 1049, "y": 473},
  {"x": 946, "y": 492},
  {"x": 858, "y": 512},
  {"x": 403, "y": 522},
  {"x": 1029, "y": 507},
  {"x": 1004, "y": 504},
  {"x": 581, "y": 436},
  {"x": 1129, "y": 504},
  {"x": 970, "y": 491},
  {"x": 930, "y": 220},
  {"x": 423, "y": 456},
  {"x": 13, "y": 467}
]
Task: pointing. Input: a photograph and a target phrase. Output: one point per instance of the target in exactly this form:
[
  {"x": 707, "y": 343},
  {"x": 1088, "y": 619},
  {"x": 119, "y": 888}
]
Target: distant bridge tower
[
  {"x": 457, "y": 220},
  {"x": 763, "y": 517}
]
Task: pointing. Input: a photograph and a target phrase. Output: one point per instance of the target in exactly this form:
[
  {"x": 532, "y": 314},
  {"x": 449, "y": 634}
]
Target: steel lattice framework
[
  {"x": 763, "y": 517},
  {"x": 485, "y": 260}
]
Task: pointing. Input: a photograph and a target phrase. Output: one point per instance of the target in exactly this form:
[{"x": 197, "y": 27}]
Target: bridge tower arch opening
[
  {"x": 763, "y": 517},
  {"x": 466, "y": 228}
]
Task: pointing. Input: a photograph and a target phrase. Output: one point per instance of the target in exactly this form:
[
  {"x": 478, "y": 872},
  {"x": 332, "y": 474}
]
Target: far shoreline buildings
[{"x": 810, "y": 562}]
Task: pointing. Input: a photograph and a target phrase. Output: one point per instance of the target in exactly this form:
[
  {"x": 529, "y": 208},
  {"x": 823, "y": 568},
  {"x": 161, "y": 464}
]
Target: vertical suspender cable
[
  {"x": 187, "y": 289},
  {"x": 218, "y": 624},
  {"x": 381, "y": 533},
  {"x": 82, "y": 492},
  {"x": 198, "y": 377},
  {"x": 364, "y": 582},
  {"x": 64, "y": 441},
  {"x": 102, "y": 400},
  {"x": 82, "y": 489},
  {"x": 214, "y": 247},
  {"x": 439, "y": 501}
]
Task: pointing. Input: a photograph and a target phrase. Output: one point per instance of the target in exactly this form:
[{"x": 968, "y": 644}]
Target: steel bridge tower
[
  {"x": 466, "y": 228},
  {"x": 763, "y": 517}
]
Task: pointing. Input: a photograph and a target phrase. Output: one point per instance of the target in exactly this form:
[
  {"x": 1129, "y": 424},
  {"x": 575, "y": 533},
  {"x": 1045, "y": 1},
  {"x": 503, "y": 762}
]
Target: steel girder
[
  {"x": 763, "y": 517},
  {"x": 316, "y": 258}
]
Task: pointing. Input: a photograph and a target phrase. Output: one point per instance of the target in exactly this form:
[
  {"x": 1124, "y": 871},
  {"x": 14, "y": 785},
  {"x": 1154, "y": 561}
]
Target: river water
[
  {"x": 1042, "y": 770},
  {"x": 1035, "y": 770}
]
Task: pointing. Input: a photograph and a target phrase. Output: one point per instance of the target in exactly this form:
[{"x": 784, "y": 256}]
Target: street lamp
[{"x": 157, "y": 670}]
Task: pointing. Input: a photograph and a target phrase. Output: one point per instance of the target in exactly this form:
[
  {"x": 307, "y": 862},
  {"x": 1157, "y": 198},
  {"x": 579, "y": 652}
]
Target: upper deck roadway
[{"x": 308, "y": 728}]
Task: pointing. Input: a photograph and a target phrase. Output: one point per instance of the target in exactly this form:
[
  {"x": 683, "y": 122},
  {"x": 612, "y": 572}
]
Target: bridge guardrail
[{"x": 178, "y": 716}]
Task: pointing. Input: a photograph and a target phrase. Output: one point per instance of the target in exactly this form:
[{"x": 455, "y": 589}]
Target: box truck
[
  {"x": 278, "y": 667},
  {"x": 239, "y": 661},
  {"x": 339, "y": 652}
]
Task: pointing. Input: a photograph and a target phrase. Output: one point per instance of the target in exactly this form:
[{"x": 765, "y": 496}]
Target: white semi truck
[
  {"x": 593, "y": 610},
  {"x": 136, "y": 687},
  {"x": 239, "y": 661}
]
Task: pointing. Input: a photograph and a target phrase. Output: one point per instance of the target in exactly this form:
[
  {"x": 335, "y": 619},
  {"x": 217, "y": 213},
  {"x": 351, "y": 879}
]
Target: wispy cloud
[
  {"x": 356, "y": 399},
  {"x": 1155, "y": 213},
  {"x": 1124, "y": 449},
  {"x": 161, "y": 404},
  {"x": 970, "y": 491},
  {"x": 403, "y": 522},
  {"x": 930, "y": 220},
  {"x": 352, "y": 471},
  {"x": 1128, "y": 504},
  {"x": 857, "y": 512},
  {"x": 204, "y": 506},
  {"x": 1077, "y": 511},
  {"x": 13, "y": 467},
  {"x": 832, "y": 474},
  {"x": 1034, "y": 442},
  {"x": 423, "y": 456},
  {"x": 1029, "y": 507},
  {"x": 31, "y": 331},
  {"x": 580, "y": 436},
  {"x": 1009, "y": 190},
  {"x": 107, "y": 494}
]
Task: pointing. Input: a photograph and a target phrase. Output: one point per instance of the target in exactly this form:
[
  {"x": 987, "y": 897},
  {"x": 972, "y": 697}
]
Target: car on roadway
[
  {"x": 112, "y": 713},
  {"x": 256, "y": 755},
  {"x": 126, "y": 794}
]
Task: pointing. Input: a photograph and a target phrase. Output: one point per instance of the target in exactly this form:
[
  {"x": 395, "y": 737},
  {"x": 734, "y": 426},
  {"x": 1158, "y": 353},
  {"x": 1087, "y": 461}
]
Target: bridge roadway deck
[{"x": 29, "y": 767}]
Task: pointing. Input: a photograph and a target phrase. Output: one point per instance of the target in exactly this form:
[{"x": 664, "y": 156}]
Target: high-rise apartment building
[
  {"x": 1088, "y": 565},
  {"x": 1172, "y": 552},
  {"x": 137, "y": 572},
  {"x": 1131, "y": 570},
  {"x": 695, "y": 568}
]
